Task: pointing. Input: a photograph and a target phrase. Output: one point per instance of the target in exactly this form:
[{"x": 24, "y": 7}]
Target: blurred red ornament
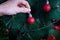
[
  {"x": 57, "y": 27},
  {"x": 47, "y": 7},
  {"x": 51, "y": 37},
  {"x": 7, "y": 30},
  {"x": 42, "y": 39},
  {"x": 30, "y": 20}
]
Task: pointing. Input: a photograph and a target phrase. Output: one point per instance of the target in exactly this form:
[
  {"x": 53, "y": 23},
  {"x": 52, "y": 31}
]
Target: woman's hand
[{"x": 12, "y": 7}]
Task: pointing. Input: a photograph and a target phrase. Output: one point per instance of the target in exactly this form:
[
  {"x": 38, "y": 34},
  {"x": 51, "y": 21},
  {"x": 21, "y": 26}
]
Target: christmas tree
[{"x": 43, "y": 23}]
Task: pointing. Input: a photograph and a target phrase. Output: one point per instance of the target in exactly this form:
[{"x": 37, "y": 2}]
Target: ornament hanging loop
[
  {"x": 47, "y": 2},
  {"x": 30, "y": 15}
]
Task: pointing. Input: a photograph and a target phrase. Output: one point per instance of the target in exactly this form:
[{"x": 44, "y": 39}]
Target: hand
[{"x": 12, "y": 7}]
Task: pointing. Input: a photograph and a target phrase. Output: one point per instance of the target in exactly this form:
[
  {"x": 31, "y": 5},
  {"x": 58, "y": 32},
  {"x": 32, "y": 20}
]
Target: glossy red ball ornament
[
  {"x": 30, "y": 20},
  {"x": 57, "y": 27},
  {"x": 46, "y": 7},
  {"x": 51, "y": 37}
]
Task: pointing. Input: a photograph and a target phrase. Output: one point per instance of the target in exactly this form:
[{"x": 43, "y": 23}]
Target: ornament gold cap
[{"x": 47, "y": 2}]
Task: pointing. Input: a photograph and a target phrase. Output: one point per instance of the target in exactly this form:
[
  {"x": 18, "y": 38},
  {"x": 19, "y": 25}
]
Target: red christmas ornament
[
  {"x": 30, "y": 20},
  {"x": 7, "y": 30},
  {"x": 42, "y": 39},
  {"x": 57, "y": 27},
  {"x": 47, "y": 7},
  {"x": 51, "y": 37}
]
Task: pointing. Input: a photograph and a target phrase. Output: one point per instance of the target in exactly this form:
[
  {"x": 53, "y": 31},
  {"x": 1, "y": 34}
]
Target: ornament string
[{"x": 30, "y": 15}]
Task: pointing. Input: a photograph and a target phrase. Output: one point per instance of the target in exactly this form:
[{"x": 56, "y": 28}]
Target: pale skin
[{"x": 11, "y": 7}]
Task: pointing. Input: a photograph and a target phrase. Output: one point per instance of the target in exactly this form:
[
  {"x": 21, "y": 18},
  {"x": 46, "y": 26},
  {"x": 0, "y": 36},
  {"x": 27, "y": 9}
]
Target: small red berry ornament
[
  {"x": 47, "y": 7},
  {"x": 7, "y": 30},
  {"x": 30, "y": 19},
  {"x": 51, "y": 37},
  {"x": 57, "y": 27}
]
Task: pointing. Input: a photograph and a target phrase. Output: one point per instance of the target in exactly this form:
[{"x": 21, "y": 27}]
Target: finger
[
  {"x": 22, "y": 10},
  {"x": 25, "y": 3},
  {"x": 1, "y": 14}
]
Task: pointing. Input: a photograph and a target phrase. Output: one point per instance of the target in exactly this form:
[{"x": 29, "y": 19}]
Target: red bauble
[
  {"x": 30, "y": 20},
  {"x": 57, "y": 27},
  {"x": 51, "y": 37},
  {"x": 7, "y": 30},
  {"x": 47, "y": 7}
]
